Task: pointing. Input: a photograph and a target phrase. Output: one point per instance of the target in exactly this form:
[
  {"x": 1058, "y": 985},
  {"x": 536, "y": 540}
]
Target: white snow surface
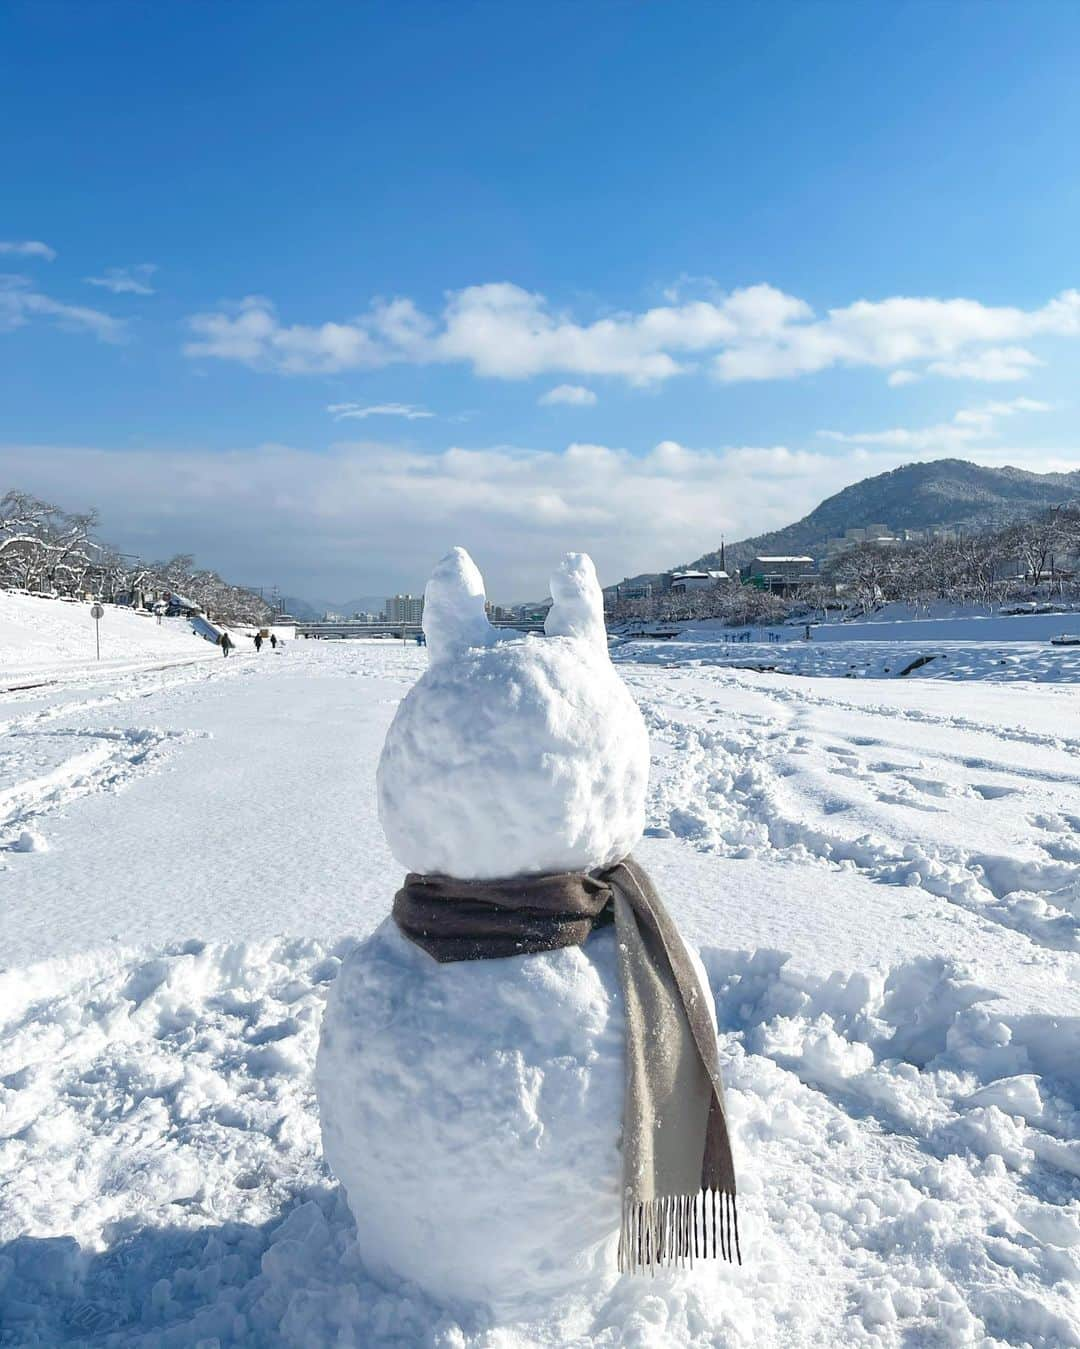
[
  {"x": 54, "y": 638},
  {"x": 455, "y": 618},
  {"x": 999, "y": 663},
  {"x": 902, "y": 623},
  {"x": 891, "y": 625},
  {"x": 883, "y": 877}
]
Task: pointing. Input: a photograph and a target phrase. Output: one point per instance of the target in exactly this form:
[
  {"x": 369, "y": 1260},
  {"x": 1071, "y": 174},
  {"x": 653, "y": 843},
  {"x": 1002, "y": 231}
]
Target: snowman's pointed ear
[
  {"x": 454, "y": 614},
  {"x": 577, "y": 608}
]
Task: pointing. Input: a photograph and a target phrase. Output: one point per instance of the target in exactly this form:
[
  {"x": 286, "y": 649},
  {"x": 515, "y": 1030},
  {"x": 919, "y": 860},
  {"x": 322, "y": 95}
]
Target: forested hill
[{"x": 916, "y": 496}]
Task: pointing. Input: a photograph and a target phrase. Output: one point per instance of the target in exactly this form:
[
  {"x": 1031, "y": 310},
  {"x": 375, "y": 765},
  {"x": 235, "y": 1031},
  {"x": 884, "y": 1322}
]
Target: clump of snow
[
  {"x": 515, "y": 756},
  {"x": 29, "y": 840}
]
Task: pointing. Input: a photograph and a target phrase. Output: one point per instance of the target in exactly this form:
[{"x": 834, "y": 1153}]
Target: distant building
[
  {"x": 861, "y": 534},
  {"x": 782, "y": 573},
  {"x": 530, "y": 613},
  {"x": 405, "y": 609},
  {"x": 633, "y": 590},
  {"x": 682, "y": 581}
]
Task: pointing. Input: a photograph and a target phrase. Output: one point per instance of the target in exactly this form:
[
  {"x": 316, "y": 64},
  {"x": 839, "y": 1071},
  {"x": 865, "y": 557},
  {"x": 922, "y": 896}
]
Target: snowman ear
[
  {"x": 577, "y": 608},
  {"x": 454, "y": 614}
]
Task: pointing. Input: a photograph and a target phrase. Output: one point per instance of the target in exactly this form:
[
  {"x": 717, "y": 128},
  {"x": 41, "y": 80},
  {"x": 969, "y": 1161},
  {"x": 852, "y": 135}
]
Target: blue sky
[{"x": 619, "y": 277}]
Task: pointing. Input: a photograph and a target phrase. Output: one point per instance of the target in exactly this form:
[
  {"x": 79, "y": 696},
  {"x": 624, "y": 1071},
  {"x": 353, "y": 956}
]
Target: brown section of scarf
[{"x": 677, "y": 1158}]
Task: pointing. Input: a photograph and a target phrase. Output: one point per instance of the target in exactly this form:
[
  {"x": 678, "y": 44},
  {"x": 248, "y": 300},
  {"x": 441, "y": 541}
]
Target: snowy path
[{"x": 884, "y": 879}]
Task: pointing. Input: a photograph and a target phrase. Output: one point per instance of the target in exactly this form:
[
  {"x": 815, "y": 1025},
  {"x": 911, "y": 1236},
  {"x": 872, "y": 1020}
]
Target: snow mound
[
  {"x": 40, "y": 635},
  {"x": 516, "y": 756}
]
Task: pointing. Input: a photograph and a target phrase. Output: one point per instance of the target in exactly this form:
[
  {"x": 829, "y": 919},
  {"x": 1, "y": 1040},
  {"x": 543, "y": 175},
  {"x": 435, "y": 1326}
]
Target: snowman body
[{"x": 472, "y": 1110}]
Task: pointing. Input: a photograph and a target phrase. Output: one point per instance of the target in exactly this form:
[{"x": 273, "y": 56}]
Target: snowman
[{"x": 517, "y": 1075}]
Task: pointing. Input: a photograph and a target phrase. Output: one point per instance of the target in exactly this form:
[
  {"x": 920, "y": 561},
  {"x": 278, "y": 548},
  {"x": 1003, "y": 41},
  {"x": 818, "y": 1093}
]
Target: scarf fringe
[{"x": 676, "y": 1231}]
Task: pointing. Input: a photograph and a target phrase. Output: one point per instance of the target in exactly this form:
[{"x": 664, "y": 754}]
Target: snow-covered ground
[
  {"x": 884, "y": 880},
  {"x": 899, "y": 623},
  {"x": 890, "y": 627},
  {"x": 54, "y": 640}
]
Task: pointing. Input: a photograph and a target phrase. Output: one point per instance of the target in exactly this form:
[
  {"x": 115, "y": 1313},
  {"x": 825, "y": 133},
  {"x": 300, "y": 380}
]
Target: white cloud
[
  {"x": 900, "y": 377},
  {"x": 499, "y": 329},
  {"x": 967, "y": 427},
  {"x": 995, "y": 365},
  {"x": 990, "y": 411},
  {"x": 250, "y": 333},
  {"x": 134, "y": 280},
  {"x": 898, "y": 331},
  {"x": 755, "y": 333},
  {"x": 28, "y": 248},
  {"x": 20, "y": 304},
  {"x": 370, "y": 517},
  {"x": 357, "y": 412},
  {"x": 575, "y": 395}
]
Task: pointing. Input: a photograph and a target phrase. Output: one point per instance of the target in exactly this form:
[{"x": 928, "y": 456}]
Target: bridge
[{"x": 339, "y": 629}]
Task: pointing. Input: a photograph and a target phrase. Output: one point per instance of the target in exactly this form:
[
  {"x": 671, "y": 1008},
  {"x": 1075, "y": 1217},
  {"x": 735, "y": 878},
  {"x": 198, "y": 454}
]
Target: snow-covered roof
[
  {"x": 784, "y": 559},
  {"x": 698, "y": 575}
]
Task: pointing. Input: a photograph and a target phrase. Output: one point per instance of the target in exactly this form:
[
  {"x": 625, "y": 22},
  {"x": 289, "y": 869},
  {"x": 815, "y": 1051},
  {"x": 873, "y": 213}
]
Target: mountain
[
  {"x": 365, "y": 604},
  {"x": 300, "y": 608},
  {"x": 915, "y": 496},
  {"x": 312, "y": 611}
]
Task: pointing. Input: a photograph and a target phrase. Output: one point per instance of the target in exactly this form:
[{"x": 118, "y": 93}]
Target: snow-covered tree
[
  {"x": 867, "y": 574},
  {"x": 43, "y": 547}
]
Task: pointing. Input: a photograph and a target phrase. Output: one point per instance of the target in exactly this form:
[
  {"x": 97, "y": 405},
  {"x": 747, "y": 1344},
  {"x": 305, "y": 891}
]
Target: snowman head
[{"x": 514, "y": 754}]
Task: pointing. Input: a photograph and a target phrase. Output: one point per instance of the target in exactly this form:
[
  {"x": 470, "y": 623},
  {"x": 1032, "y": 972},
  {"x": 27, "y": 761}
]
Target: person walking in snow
[
  {"x": 258, "y": 641},
  {"x": 226, "y": 644},
  {"x": 273, "y": 640}
]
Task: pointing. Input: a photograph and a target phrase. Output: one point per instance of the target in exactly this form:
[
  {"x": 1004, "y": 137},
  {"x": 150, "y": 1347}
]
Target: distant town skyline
[{"x": 316, "y": 293}]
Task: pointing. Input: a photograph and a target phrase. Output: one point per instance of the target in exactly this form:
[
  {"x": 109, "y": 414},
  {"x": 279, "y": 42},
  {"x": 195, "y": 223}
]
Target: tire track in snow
[
  {"x": 113, "y": 758},
  {"x": 784, "y": 694},
  {"x": 1021, "y": 735},
  {"x": 142, "y": 685}
]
